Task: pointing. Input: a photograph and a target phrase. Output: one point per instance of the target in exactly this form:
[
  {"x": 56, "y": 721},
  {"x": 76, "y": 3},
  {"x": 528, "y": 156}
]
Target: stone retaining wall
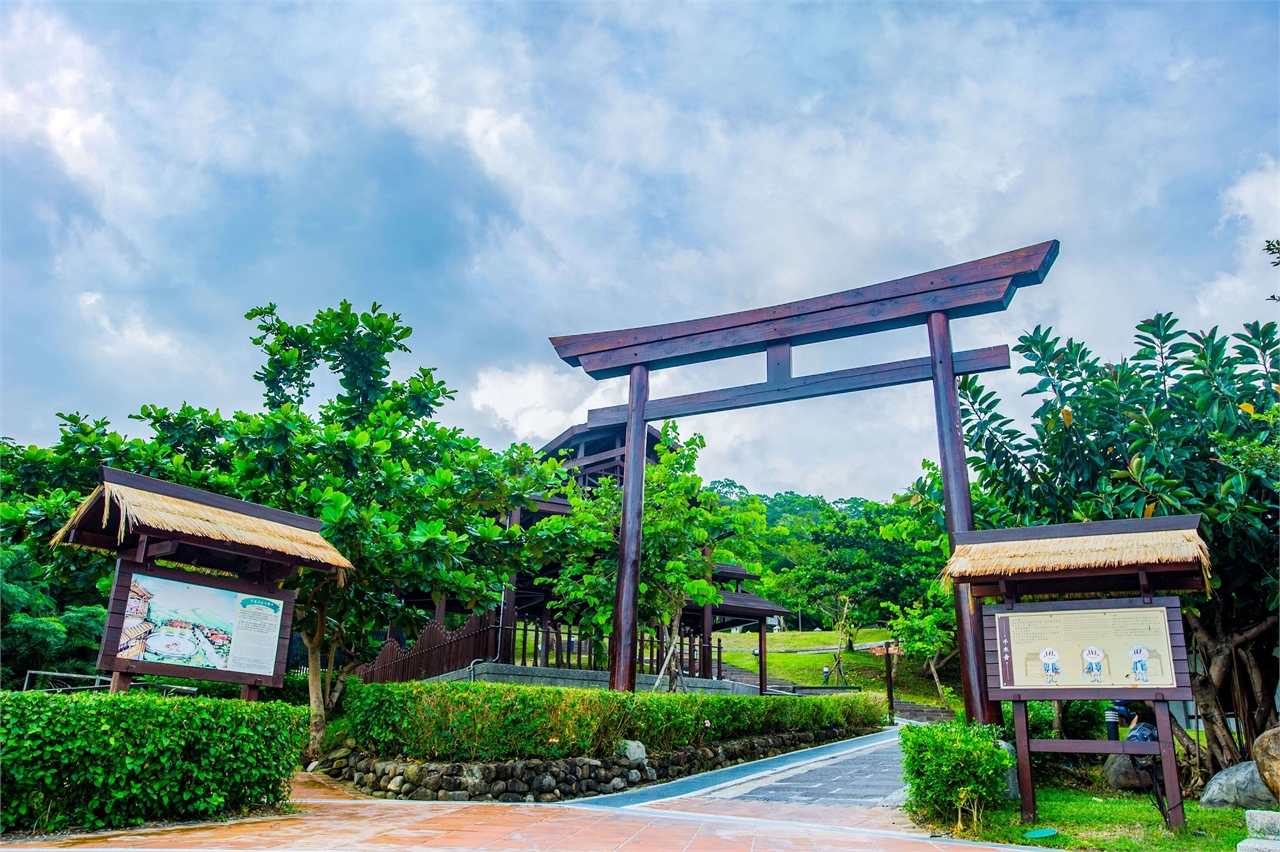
[{"x": 552, "y": 780}]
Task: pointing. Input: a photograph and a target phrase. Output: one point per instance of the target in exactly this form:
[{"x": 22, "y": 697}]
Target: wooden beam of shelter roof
[
  {"x": 127, "y": 506},
  {"x": 1169, "y": 550},
  {"x": 977, "y": 287}
]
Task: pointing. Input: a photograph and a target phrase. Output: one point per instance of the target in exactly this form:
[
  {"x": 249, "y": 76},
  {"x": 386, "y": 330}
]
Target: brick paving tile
[
  {"x": 675, "y": 827},
  {"x": 813, "y": 815}
]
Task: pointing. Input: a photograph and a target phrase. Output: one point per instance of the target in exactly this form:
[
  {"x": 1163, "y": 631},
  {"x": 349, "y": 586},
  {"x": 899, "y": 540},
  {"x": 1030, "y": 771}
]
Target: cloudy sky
[{"x": 502, "y": 173}]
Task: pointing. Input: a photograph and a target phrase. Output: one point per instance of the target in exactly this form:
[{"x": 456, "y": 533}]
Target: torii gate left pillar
[{"x": 931, "y": 299}]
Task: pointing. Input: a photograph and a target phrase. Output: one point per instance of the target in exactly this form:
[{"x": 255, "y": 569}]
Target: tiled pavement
[{"x": 332, "y": 817}]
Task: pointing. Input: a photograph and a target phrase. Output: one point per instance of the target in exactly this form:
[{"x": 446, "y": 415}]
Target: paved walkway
[{"x": 770, "y": 806}]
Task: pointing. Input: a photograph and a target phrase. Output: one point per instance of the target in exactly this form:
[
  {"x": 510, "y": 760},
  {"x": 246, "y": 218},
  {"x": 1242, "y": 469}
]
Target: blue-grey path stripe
[{"x": 691, "y": 784}]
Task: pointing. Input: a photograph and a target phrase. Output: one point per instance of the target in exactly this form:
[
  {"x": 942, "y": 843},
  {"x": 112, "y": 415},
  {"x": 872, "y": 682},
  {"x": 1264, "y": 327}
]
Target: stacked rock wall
[{"x": 550, "y": 780}]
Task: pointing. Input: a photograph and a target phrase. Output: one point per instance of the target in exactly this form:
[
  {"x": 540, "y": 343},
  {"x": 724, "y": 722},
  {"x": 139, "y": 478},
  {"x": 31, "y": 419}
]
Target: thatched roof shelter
[
  {"x": 150, "y": 519},
  {"x": 1164, "y": 553}
]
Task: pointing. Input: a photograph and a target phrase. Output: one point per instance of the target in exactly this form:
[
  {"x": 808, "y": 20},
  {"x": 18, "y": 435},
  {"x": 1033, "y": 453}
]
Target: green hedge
[
  {"x": 294, "y": 690},
  {"x": 953, "y": 769},
  {"x": 107, "y": 761},
  {"x": 491, "y": 721}
]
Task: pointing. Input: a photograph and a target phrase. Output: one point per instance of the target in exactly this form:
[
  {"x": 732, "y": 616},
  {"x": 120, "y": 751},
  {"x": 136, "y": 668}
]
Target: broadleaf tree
[{"x": 418, "y": 508}]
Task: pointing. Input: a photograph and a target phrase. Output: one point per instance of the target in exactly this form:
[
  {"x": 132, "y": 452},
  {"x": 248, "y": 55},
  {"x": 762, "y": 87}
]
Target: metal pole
[
  {"x": 888, "y": 678},
  {"x": 764, "y": 659},
  {"x": 622, "y": 669},
  {"x": 955, "y": 489}
]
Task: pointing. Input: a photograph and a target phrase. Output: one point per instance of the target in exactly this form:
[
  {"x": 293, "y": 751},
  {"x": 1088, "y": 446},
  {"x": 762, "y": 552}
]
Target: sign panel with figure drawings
[{"x": 1080, "y": 646}]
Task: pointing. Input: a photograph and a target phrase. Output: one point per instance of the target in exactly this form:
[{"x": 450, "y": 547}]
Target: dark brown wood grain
[
  {"x": 1026, "y": 266},
  {"x": 622, "y": 672},
  {"x": 804, "y": 387},
  {"x": 965, "y": 301}
]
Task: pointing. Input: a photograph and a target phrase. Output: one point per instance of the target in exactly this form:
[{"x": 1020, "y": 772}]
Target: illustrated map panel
[
  {"x": 1102, "y": 648},
  {"x": 184, "y": 624}
]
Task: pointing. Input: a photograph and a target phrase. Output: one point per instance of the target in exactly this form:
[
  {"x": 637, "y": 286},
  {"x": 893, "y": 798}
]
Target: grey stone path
[
  {"x": 865, "y": 777},
  {"x": 844, "y": 758}
]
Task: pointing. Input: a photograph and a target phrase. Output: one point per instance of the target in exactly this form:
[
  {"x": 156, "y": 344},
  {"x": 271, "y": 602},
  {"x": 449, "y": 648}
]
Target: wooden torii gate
[{"x": 930, "y": 299}]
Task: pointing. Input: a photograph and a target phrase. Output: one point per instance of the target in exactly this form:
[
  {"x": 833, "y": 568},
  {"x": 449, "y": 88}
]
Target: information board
[
  {"x": 1072, "y": 648},
  {"x": 166, "y": 621}
]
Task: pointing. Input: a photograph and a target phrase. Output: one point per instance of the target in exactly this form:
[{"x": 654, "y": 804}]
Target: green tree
[
  {"x": 1186, "y": 424},
  {"x": 687, "y": 530},
  {"x": 419, "y": 509},
  {"x": 926, "y": 631}
]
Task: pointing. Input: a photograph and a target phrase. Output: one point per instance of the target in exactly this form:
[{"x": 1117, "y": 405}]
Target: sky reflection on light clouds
[{"x": 503, "y": 173}]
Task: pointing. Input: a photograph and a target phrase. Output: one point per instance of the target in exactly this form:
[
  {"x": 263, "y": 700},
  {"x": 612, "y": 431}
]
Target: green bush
[
  {"x": 491, "y": 721},
  {"x": 952, "y": 769},
  {"x": 106, "y": 761},
  {"x": 294, "y": 690}
]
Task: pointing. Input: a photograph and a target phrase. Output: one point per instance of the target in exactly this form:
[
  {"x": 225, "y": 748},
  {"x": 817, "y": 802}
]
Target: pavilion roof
[
  {"x": 127, "y": 505},
  {"x": 1165, "y": 546}
]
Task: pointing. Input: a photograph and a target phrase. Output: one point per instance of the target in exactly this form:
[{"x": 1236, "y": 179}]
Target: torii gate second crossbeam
[{"x": 930, "y": 299}]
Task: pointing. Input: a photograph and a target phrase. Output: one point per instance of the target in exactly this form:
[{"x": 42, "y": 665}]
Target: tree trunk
[
  {"x": 1216, "y": 732},
  {"x": 1218, "y": 650},
  {"x": 1059, "y": 720},
  {"x": 315, "y": 692},
  {"x": 933, "y": 669}
]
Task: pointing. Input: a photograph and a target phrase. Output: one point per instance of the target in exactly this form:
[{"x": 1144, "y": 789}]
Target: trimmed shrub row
[
  {"x": 492, "y": 721},
  {"x": 108, "y": 761},
  {"x": 294, "y": 690}
]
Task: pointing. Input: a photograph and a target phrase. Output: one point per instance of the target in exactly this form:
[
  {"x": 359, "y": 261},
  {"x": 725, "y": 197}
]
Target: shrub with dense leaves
[
  {"x": 105, "y": 761},
  {"x": 953, "y": 769},
  {"x": 490, "y": 721}
]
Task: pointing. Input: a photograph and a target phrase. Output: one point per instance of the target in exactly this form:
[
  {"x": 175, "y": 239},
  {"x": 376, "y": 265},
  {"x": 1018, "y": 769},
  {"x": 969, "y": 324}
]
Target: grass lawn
[
  {"x": 1115, "y": 822},
  {"x": 792, "y": 640},
  {"x": 860, "y": 667}
]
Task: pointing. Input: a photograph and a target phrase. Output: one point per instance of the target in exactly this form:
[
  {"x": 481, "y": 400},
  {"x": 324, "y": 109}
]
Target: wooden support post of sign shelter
[
  {"x": 248, "y": 692},
  {"x": 931, "y": 298},
  {"x": 764, "y": 658},
  {"x": 120, "y": 682}
]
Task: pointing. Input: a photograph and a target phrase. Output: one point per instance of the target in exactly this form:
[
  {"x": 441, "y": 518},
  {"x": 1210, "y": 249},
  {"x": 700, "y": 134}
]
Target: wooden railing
[
  {"x": 542, "y": 645},
  {"x": 435, "y": 652}
]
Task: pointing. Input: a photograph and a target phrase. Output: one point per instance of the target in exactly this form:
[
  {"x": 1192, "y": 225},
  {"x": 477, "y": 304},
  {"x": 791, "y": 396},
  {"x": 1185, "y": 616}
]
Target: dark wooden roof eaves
[
  {"x": 961, "y": 289},
  {"x": 724, "y": 571},
  {"x": 206, "y": 498},
  {"x": 1088, "y": 528},
  {"x": 566, "y": 438},
  {"x": 747, "y": 604}
]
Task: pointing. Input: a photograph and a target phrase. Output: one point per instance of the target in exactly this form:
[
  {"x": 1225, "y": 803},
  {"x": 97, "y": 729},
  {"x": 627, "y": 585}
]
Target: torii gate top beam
[{"x": 977, "y": 287}]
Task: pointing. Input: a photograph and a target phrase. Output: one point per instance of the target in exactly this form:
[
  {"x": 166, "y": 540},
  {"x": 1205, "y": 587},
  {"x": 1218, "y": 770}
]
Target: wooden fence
[{"x": 542, "y": 645}]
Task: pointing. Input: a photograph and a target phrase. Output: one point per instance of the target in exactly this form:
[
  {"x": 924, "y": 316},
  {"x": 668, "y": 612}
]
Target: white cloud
[
  {"x": 536, "y": 402},
  {"x": 660, "y": 165},
  {"x": 1252, "y": 206}
]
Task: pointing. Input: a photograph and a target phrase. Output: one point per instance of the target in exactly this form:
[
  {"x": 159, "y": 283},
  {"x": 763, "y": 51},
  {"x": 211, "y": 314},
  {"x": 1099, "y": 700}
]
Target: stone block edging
[{"x": 553, "y": 780}]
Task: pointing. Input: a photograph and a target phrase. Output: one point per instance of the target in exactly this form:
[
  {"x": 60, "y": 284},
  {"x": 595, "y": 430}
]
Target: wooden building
[{"x": 526, "y": 629}]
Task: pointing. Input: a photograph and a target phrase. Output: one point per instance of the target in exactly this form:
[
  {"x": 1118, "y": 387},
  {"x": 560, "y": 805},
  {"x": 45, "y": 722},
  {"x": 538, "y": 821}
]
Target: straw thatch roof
[
  {"x": 126, "y": 505},
  {"x": 1155, "y": 544}
]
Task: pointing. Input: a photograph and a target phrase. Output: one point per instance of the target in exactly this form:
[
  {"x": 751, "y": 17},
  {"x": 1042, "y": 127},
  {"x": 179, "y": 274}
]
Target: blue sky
[{"x": 502, "y": 173}]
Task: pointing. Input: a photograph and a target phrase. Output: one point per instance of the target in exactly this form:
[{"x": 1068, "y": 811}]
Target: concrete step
[{"x": 751, "y": 678}]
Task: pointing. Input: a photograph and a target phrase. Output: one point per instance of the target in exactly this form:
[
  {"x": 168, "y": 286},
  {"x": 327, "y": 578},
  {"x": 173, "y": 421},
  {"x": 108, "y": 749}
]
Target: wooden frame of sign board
[
  {"x": 109, "y": 660},
  {"x": 999, "y": 688}
]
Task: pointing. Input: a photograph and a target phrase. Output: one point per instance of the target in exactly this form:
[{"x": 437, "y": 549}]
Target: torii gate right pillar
[{"x": 955, "y": 489}]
